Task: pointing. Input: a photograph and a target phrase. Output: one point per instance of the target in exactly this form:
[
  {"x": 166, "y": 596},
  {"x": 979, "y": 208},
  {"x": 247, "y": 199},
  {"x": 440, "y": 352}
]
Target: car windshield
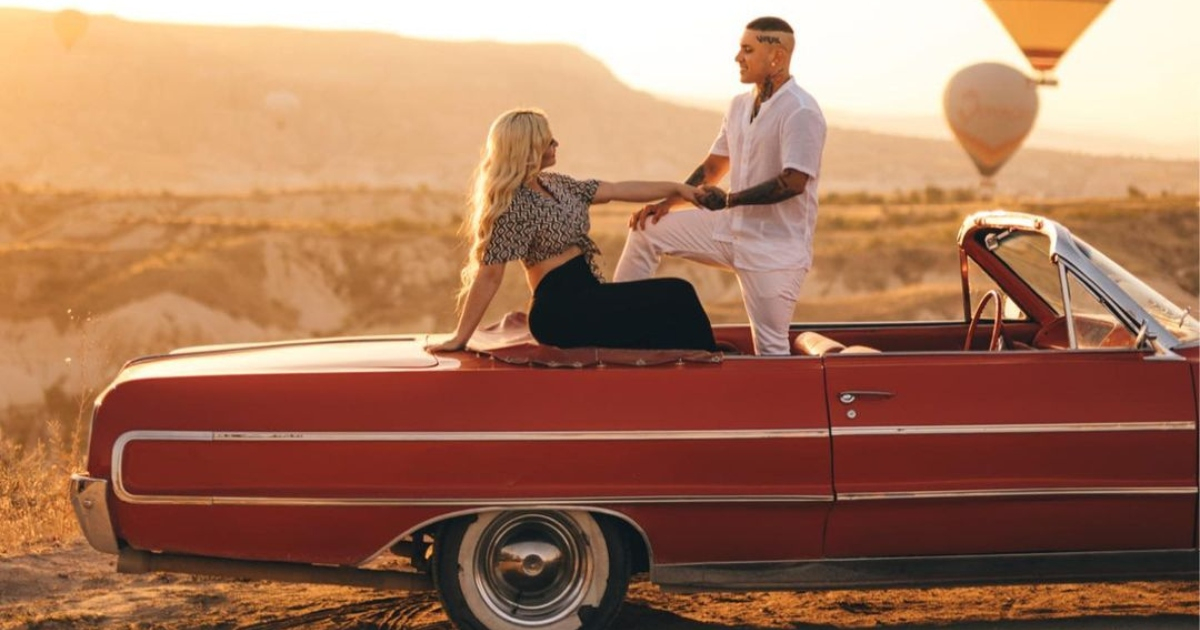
[
  {"x": 1028, "y": 255},
  {"x": 1178, "y": 321}
]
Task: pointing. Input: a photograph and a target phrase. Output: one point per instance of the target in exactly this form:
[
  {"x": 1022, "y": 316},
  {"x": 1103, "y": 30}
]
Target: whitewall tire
[{"x": 531, "y": 570}]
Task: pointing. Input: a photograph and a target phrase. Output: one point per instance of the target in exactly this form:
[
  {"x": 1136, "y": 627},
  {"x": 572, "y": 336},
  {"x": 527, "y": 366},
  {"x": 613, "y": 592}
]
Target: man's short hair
[{"x": 769, "y": 24}]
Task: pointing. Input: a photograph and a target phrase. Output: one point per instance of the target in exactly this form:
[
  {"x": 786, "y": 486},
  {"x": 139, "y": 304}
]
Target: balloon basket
[
  {"x": 1047, "y": 78},
  {"x": 987, "y": 189}
]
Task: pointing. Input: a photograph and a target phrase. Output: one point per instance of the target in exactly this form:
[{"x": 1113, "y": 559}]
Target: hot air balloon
[
  {"x": 990, "y": 107},
  {"x": 281, "y": 106},
  {"x": 1045, "y": 29},
  {"x": 69, "y": 25}
]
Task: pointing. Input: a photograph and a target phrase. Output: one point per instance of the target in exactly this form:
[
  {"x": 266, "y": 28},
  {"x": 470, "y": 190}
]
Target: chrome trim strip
[
  {"x": 118, "y": 455},
  {"x": 1012, "y": 493},
  {"x": 528, "y": 502},
  {"x": 123, "y": 494},
  {"x": 469, "y": 502},
  {"x": 960, "y": 429},
  {"x": 125, "y": 439},
  {"x": 516, "y": 436}
]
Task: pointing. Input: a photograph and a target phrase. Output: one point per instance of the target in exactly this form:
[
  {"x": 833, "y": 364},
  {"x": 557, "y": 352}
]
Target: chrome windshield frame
[{"x": 1065, "y": 253}]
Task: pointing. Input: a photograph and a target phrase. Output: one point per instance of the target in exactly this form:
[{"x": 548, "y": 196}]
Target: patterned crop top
[{"x": 536, "y": 227}]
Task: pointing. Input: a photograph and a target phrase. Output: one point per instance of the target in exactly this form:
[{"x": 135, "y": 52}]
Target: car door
[
  {"x": 738, "y": 460},
  {"x": 993, "y": 452}
]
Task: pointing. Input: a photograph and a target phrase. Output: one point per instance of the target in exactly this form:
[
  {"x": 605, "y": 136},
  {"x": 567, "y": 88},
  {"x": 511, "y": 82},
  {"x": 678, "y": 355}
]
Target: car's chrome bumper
[{"x": 89, "y": 497}]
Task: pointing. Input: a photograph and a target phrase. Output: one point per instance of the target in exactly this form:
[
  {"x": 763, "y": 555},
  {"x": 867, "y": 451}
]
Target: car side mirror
[{"x": 1143, "y": 336}]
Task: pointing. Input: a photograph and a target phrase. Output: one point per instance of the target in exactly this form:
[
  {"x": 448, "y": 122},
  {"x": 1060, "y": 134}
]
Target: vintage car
[{"x": 1049, "y": 435}]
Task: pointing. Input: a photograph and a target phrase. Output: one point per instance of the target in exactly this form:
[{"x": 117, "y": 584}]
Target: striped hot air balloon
[{"x": 1045, "y": 29}]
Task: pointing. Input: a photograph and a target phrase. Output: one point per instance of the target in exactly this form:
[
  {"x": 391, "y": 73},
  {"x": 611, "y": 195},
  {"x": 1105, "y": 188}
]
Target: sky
[{"x": 1132, "y": 78}]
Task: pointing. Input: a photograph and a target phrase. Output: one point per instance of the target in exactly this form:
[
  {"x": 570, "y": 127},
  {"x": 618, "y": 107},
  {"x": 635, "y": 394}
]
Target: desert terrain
[{"x": 73, "y": 586}]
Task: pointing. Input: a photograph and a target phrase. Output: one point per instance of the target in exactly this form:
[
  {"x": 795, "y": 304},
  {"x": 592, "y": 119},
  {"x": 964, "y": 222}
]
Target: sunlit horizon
[{"x": 1133, "y": 75}]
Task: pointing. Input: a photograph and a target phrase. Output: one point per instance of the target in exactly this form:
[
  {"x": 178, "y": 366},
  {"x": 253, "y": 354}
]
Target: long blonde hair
[{"x": 511, "y": 157}]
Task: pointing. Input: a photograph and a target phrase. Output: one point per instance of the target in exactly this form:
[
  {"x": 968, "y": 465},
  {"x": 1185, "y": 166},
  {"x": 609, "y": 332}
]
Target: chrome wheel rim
[{"x": 533, "y": 568}]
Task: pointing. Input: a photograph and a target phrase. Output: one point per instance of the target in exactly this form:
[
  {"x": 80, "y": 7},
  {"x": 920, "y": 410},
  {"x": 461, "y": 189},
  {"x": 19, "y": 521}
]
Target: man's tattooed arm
[
  {"x": 788, "y": 184},
  {"x": 697, "y": 176}
]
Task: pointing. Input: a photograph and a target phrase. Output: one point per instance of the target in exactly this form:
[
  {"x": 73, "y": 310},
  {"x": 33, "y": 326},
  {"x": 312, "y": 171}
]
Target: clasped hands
[{"x": 712, "y": 198}]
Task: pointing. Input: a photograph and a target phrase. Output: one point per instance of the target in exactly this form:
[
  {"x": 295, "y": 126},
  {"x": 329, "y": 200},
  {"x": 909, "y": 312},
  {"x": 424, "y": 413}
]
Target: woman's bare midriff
[{"x": 535, "y": 273}]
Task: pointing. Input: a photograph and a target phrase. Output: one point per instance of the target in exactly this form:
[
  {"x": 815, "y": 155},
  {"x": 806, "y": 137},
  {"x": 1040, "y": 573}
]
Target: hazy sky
[{"x": 1135, "y": 73}]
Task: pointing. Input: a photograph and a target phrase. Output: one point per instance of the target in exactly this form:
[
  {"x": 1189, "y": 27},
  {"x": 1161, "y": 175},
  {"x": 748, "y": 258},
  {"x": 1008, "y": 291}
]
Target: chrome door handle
[{"x": 848, "y": 397}]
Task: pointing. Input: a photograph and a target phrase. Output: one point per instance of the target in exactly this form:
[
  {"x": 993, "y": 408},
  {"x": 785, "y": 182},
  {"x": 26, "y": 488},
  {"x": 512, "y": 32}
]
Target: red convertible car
[{"x": 1048, "y": 435}]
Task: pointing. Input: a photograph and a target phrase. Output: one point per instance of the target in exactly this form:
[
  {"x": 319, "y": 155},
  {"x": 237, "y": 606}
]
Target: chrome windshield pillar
[{"x": 1066, "y": 295}]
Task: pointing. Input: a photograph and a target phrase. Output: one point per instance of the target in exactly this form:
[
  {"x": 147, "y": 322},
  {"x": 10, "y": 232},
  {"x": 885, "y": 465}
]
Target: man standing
[{"x": 770, "y": 143}]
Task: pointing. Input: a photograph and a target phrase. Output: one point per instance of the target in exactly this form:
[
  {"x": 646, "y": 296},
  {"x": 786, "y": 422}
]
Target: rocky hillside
[
  {"x": 89, "y": 280},
  {"x": 197, "y": 110}
]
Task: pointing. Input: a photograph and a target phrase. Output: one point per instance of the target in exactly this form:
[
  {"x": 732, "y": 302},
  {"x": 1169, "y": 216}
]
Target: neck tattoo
[{"x": 766, "y": 90}]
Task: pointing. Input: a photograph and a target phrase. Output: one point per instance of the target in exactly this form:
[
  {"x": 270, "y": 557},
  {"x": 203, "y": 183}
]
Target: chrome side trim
[
  {"x": 1013, "y": 493},
  {"x": 535, "y": 501},
  {"x": 514, "y": 436},
  {"x": 125, "y": 495},
  {"x": 125, "y": 439},
  {"x": 482, "y": 502},
  {"x": 119, "y": 445},
  {"x": 118, "y": 455},
  {"x": 89, "y": 498},
  {"x": 959, "y": 429}
]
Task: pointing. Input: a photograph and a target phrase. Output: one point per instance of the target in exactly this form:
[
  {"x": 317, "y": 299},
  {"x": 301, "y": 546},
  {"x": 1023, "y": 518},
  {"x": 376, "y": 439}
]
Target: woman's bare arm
[{"x": 479, "y": 297}]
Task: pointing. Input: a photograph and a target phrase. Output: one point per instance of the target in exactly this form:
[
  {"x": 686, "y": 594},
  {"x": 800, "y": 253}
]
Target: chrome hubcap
[{"x": 533, "y": 568}]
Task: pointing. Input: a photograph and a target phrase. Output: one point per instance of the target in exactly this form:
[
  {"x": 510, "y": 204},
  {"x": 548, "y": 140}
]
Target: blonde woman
[{"x": 520, "y": 211}]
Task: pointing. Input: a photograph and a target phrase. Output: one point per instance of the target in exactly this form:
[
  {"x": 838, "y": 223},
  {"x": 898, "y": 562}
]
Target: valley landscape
[{"x": 152, "y": 196}]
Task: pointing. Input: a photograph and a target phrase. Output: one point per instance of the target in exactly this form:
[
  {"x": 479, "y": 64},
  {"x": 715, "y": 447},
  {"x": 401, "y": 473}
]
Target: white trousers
[{"x": 769, "y": 296}]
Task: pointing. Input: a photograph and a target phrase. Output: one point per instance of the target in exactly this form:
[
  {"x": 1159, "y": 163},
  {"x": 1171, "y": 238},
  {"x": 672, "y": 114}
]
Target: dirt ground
[{"x": 74, "y": 586}]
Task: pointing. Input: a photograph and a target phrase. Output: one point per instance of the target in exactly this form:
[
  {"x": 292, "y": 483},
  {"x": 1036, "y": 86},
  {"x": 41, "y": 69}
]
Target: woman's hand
[
  {"x": 452, "y": 344},
  {"x": 652, "y": 212}
]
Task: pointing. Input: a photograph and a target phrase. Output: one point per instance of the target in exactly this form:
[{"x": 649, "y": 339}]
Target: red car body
[{"x": 1069, "y": 452}]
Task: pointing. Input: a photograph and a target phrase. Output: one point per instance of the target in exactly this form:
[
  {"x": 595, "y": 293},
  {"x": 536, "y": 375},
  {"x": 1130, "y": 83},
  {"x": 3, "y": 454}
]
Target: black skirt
[{"x": 571, "y": 309}]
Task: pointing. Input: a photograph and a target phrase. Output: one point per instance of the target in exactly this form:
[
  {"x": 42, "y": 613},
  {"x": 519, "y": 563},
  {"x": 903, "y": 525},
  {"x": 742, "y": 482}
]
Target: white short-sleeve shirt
[{"x": 789, "y": 132}]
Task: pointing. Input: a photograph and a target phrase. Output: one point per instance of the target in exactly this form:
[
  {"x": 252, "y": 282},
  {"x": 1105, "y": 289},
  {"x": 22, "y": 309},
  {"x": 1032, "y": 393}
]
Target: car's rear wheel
[{"x": 546, "y": 570}]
